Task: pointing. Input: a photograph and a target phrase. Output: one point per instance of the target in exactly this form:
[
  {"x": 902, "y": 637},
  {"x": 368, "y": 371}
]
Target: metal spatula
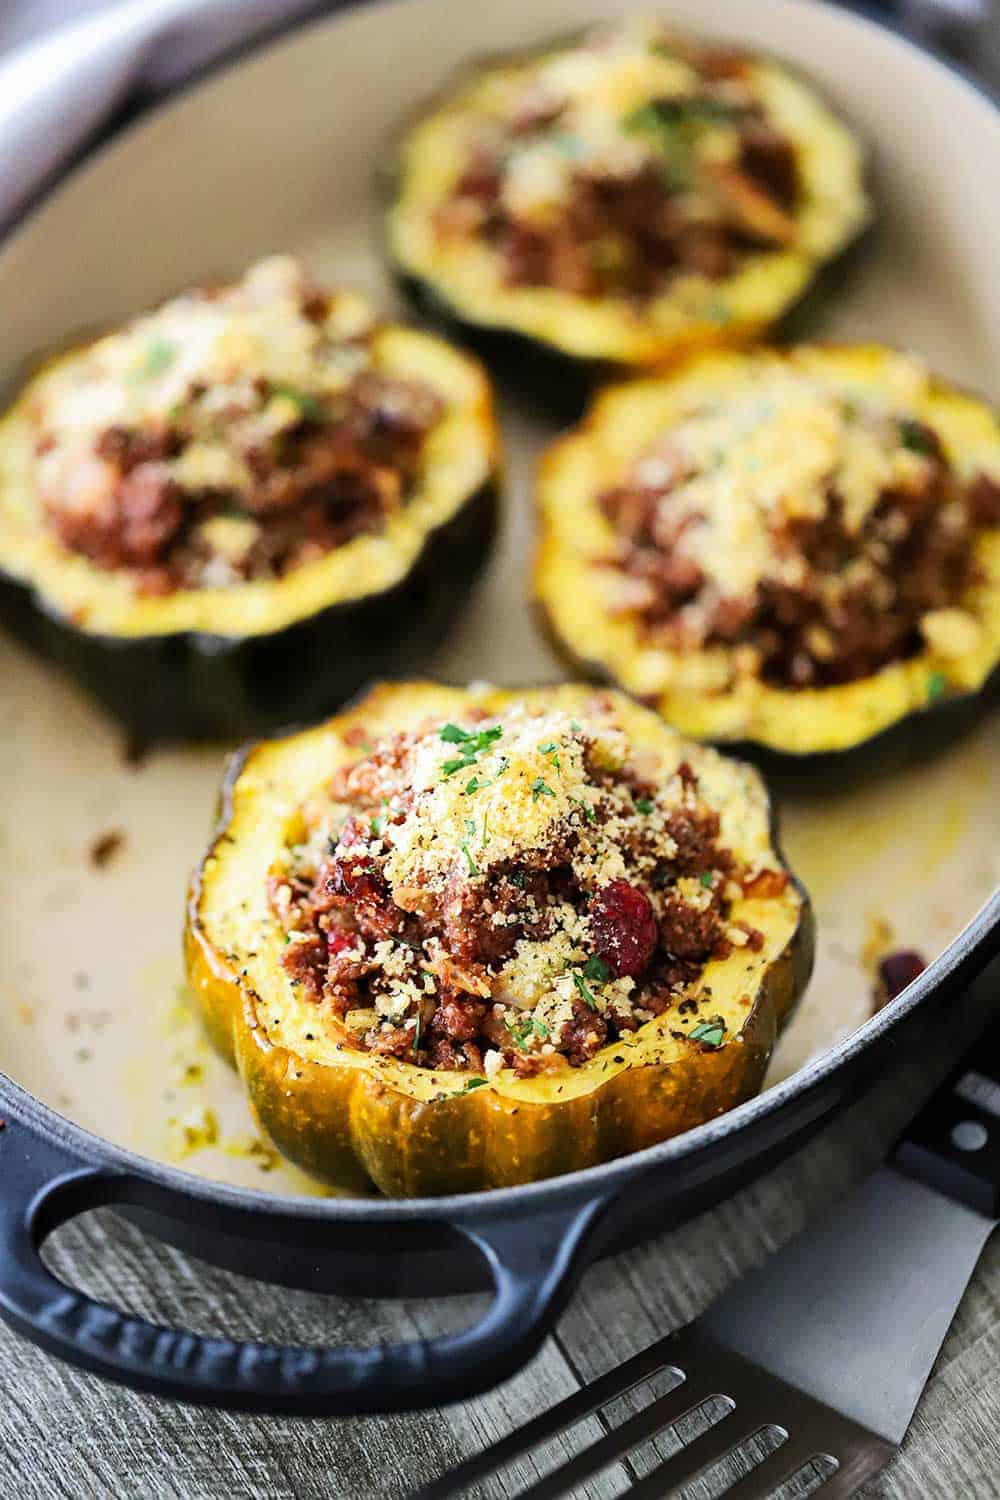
[{"x": 803, "y": 1377}]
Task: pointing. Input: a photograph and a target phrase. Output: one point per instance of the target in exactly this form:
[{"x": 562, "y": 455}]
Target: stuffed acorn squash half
[
  {"x": 795, "y": 549},
  {"x": 620, "y": 198},
  {"x": 228, "y": 514},
  {"x": 461, "y": 939}
]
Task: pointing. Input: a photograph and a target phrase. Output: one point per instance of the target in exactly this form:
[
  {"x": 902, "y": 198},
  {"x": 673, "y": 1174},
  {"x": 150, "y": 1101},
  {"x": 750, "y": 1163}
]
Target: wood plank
[{"x": 66, "y": 1433}]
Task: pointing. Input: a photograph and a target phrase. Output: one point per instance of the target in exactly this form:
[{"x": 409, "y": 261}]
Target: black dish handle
[{"x": 531, "y": 1260}]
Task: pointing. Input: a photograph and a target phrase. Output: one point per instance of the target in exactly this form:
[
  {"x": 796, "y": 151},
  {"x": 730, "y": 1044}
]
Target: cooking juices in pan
[
  {"x": 231, "y": 512},
  {"x": 457, "y": 940}
]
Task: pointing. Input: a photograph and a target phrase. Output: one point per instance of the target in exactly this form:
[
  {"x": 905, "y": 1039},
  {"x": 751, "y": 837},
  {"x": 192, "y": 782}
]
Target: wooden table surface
[{"x": 66, "y": 1434}]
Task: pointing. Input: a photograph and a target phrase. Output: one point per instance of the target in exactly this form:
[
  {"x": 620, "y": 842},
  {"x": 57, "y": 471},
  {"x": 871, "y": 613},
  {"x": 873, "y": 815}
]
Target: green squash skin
[{"x": 194, "y": 686}]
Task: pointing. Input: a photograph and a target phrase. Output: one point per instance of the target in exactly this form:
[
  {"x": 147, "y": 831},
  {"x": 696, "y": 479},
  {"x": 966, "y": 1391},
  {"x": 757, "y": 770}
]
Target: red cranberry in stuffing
[
  {"x": 624, "y": 927},
  {"x": 340, "y": 942},
  {"x": 360, "y": 886}
]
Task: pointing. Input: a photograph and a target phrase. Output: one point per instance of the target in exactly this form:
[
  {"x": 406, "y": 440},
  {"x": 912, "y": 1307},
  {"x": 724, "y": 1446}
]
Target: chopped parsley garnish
[
  {"x": 522, "y": 1028},
  {"x": 159, "y": 356},
  {"x": 473, "y": 867},
  {"x": 378, "y": 825},
  {"x": 475, "y": 1083},
  {"x": 551, "y": 749},
  {"x": 519, "y": 879},
  {"x": 937, "y": 686},
  {"x": 478, "y": 783},
  {"x": 672, "y": 141},
  {"x": 540, "y": 788},
  {"x": 596, "y": 969},
  {"x": 643, "y": 805},
  {"x": 705, "y": 880},
  {"x": 310, "y": 408},
  {"x": 674, "y": 126},
  {"x": 583, "y": 989},
  {"x": 914, "y": 435},
  {"x": 700, "y": 109},
  {"x": 709, "y": 1033},
  {"x": 519, "y": 1030},
  {"x": 471, "y": 746},
  {"x": 589, "y": 815}
]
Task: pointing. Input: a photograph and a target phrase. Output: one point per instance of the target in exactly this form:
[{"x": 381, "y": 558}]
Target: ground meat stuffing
[
  {"x": 815, "y": 534},
  {"x": 514, "y": 893},
  {"x": 234, "y": 434},
  {"x": 623, "y": 163}
]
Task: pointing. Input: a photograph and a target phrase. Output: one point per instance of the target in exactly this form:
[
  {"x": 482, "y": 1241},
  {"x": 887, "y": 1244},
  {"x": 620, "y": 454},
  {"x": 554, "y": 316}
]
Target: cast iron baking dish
[{"x": 89, "y": 996}]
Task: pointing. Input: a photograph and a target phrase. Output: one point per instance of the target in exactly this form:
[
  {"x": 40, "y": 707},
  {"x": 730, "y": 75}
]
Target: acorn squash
[
  {"x": 670, "y": 517},
  {"x": 215, "y": 651},
  {"x": 617, "y": 199},
  {"x": 357, "y": 1119}
]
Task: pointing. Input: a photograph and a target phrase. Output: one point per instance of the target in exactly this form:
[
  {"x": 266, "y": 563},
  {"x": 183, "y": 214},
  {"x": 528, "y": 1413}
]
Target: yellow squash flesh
[
  {"x": 697, "y": 691},
  {"x": 359, "y": 1121}
]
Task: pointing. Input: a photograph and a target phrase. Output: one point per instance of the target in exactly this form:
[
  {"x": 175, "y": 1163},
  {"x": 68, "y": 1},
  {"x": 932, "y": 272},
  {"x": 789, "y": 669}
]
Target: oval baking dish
[
  {"x": 621, "y": 198},
  {"x": 231, "y": 512},
  {"x": 457, "y": 940},
  {"x": 795, "y": 549}
]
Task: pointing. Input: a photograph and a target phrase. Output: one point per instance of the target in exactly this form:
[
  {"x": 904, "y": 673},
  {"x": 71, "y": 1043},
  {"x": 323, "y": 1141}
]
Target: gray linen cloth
[{"x": 74, "y": 66}]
